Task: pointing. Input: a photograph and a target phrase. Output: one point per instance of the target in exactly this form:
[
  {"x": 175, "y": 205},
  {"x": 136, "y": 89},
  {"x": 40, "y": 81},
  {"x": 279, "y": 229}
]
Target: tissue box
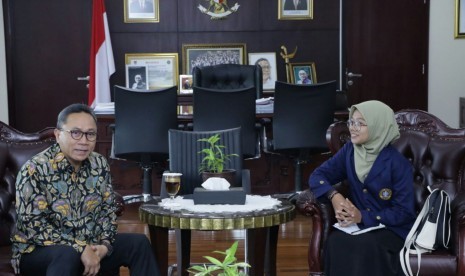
[{"x": 231, "y": 196}]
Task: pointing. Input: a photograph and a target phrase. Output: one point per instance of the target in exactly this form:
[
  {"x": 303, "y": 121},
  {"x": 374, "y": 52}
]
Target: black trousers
[{"x": 131, "y": 250}]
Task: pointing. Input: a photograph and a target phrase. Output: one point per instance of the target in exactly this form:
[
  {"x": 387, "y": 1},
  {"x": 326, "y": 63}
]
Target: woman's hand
[{"x": 346, "y": 212}]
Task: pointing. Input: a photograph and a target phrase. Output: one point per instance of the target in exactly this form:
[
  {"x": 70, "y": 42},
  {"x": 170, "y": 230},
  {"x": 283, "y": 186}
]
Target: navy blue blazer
[{"x": 386, "y": 196}]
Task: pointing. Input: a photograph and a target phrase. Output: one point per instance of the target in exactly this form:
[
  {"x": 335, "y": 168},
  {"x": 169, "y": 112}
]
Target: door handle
[
  {"x": 349, "y": 76},
  {"x": 354, "y": 75},
  {"x": 83, "y": 78}
]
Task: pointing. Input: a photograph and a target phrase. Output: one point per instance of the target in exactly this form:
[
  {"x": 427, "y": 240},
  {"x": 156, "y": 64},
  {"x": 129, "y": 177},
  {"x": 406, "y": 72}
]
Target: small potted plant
[
  {"x": 228, "y": 267},
  {"x": 215, "y": 159}
]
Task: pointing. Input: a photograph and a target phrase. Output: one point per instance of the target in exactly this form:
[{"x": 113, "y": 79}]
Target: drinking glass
[{"x": 172, "y": 184}]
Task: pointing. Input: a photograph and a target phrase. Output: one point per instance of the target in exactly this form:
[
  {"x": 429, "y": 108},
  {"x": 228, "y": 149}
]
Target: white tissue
[{"x": 216, "y": 183}]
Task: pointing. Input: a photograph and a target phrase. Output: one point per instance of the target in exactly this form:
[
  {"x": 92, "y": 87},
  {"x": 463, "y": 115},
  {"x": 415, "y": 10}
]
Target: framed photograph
[
  {"x": 268, "y": 63},
  {"x": 141, "y": 11},
  {"x": 136, "y": 77},
  {"x": 185, "y": 84},
  {"x": 303, "y": 73},
  {"x": 211, "y": 54},
  {"x": 185, "y": 110},
  {"x": 161, "y": 70},
  {"x": 295, "y": 9},
  {"x": 459, "y": 18}
]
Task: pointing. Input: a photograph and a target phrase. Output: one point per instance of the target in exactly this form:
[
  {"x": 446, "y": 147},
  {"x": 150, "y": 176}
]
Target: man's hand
[
  {"x": 100, "y": 250},
  {"x": 90, "y": 258}
]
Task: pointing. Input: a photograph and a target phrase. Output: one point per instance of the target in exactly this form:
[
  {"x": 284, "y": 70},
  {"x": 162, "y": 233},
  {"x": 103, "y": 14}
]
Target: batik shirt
[{"x": 56, "y": 205}]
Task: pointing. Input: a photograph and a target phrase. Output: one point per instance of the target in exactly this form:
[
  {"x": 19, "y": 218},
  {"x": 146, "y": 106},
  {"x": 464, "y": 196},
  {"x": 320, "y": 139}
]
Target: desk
[
  {"x": 270, "y": 173},
  {"x": 259, "y": 224}
]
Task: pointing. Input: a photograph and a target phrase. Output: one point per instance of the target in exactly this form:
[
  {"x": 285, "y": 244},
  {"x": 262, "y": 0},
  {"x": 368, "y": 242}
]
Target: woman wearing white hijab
[{"x": 381, "y": 191}]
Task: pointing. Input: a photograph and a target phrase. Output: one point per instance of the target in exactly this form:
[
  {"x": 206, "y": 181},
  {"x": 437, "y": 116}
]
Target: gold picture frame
[
  {"x": 459, "y": 18},
  {"x": 141, "y": 11},
  {"x": 161, "y": 69},
  {"x": 299, "y": 78},
  {"x": 287, "y": 10},
  {"x": 195, "y": 54}
]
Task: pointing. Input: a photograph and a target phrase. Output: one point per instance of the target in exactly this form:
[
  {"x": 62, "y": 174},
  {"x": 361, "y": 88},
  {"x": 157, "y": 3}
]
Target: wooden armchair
[
  {"x": 15, "y": 149},
  {"x": 437, "y": 153}
]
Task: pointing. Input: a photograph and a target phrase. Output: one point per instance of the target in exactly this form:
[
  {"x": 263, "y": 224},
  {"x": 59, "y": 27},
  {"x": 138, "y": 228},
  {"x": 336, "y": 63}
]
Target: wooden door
[
  {"x": 48, "y": 46},
  {"x": 386, "y": 42}
]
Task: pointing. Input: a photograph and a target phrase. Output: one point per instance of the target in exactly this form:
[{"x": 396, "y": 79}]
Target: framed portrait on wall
[
  {"x": 268, "y": 63},
  {"x": 459, "y": 18},
  {"x": 211, "y": 54},
  {"x": 161, "y": 69},
  {"x": 303, "y": 73},
  {"x": 295, "y": 9},
  {"x": 136, "y": 77},
  {"x": 141, "y": 11},
  {"x": 186, "y": 110},
  {"x": 185, "y": 84}
]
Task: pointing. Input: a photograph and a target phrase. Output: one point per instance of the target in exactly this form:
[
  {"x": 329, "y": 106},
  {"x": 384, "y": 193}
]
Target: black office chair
[
  {"x": 302, "y": 114},
  {"x": 142, "y": 121},
  {"x": 184, "y": 157},
  {"x": 229, "y": 76},
  {"x": 214, "y": 109}
]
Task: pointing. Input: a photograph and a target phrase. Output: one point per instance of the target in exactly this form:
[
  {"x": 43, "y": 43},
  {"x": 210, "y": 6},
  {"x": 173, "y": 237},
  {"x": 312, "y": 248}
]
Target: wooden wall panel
[
  {"x": 48, "y": 47},
  {"x": 255, "y": 23},
  {"x": 125, "y": 43},
  {"x": 192, "y": 20}
]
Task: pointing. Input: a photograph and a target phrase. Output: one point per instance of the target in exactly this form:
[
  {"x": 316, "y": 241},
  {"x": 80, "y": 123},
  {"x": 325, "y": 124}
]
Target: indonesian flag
[{"x": 102, "y": 65}]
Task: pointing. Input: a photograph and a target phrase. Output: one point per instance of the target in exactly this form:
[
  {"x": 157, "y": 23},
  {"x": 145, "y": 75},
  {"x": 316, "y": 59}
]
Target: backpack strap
[{"x": 410, "y": 241}]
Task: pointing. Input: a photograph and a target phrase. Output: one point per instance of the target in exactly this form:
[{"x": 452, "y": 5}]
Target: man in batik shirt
[{"x": 66, "y": 209}]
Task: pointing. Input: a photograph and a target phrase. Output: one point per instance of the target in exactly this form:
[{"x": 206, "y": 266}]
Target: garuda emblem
[{"x": 218, "y": 9}]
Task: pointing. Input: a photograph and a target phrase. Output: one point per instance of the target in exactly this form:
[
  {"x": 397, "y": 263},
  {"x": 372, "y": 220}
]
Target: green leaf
[
  {"x": 214, "y": 159},
  {"x": 228, "y": 267},
  {"x": 213, "y": 260}
]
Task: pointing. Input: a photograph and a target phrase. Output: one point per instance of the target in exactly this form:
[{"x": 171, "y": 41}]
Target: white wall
[
  {"x": 446, "y": 82},
  {"x": 3, "y": 87}
]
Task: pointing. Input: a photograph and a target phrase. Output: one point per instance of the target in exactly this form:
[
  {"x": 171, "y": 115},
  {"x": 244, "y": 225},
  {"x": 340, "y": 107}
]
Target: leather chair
[
  {"x": 15, "y": 149},
  {"x": 302, "y": 114},
  {"x": 223, "y": 109},
  {"x": 229, "y": 76},
  {"x": 437, "y": 153},
  {"x": 142, "y": 121},
  {"x": 184, "y": 149}
]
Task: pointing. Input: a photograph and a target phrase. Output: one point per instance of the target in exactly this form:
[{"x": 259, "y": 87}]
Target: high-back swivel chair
[
  {"x": 184, "y": 149},
  {"x": 302, "y": 114},
  {"x": 229, "y": 76},
  {"x": 214, "y": 109},
  {"x": 185, "y": 158},
  {"x": 142, "y": 121}
]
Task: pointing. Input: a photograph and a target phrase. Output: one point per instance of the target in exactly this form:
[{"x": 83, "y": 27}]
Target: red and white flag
[{"x": 102, "y": 65}]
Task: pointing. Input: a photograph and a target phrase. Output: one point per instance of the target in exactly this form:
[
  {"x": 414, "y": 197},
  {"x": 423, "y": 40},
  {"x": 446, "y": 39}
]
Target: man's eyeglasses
[
  {"x": 356, "y": 125},
  {"x": 76, "y": 134}
]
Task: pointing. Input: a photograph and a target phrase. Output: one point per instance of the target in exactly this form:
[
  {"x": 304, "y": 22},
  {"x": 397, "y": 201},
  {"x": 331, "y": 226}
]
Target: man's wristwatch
[{"x": 108, "y": 246}]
